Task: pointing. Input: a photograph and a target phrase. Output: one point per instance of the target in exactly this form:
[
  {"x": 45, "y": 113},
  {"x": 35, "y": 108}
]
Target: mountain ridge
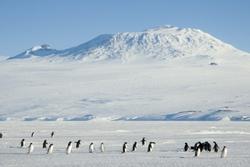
[{"x": 160, "y": 43}]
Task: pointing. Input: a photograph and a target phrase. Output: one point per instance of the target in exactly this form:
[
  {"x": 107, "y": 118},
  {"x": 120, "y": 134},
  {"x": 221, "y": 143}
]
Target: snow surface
[
  {"x": 164, "y": 73},
  {"x": 168, "y": 151},
  {"x": 178, "y": 90}
]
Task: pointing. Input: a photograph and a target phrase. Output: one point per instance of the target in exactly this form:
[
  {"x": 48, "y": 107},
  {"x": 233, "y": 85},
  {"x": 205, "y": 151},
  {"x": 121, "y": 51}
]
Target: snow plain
[
  {"x": 186, "y": 88},
  {"x": 169, "y": 138}
]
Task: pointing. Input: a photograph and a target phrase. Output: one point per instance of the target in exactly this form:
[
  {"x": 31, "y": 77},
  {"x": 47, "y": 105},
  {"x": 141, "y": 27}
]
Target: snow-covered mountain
[
  {"x": 160, "y": 43},
  {"x": 194, "y": 76}
]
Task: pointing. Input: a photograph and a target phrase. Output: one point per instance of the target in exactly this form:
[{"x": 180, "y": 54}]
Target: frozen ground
[{"x": 169, "y": 138}]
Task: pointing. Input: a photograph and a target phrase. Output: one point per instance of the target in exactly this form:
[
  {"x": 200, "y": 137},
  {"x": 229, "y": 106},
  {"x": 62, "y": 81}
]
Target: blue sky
[{"x": 66, "y": 23}]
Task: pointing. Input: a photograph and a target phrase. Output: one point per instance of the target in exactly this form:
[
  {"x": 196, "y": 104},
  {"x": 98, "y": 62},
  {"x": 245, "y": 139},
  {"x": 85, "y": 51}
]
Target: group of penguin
[
  {"x": 134, "y": 147},
  {"x": 206, "y": 146},
  {"x": 31, "y": 146},
  {"x": 91, "y": 146},
  {"x": 197, "y": 148}
]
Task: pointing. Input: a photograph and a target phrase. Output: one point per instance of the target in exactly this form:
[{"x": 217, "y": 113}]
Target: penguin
[
  {"x": 124, "y": 147},
  {"x": 69, "y": 148},
  {"x": 32, "y": 134},
  {"x": 207, "y": 146},
  {"x": 52, "y": 134},
  {"x": 196, "y": 145},
  {"x": 197, "y": 152},
  {"x": 224, "y": 152},
  {"x": 216, "y": 147},
  {"x": 23, "y": 143},
  {"x": 45, "y": 144},
  {"x": 91, "y": 148},
  {"x": 50, "y": 149},
  {"x": 1, "y": 135},
  {"x": 78, "y": 142},
  {"x": 151, "y": 146},
  {"x": 134, "y": 146},
  {"x": 143, "y": 141},
  {"x": 200, "y": 146},
  {"x": 102, "y": 147},
  {"x": 186, "y": 147},
  {"x": 30, "y": 148}
]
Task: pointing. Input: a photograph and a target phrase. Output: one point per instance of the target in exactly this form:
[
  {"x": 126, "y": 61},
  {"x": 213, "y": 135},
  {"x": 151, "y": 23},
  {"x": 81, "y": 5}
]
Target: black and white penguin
[
  {"x": 1, "y": 135},
  {"x": 23, "y": 143},
  {"x": 45, "y": 144},
  {"x": 224, "y": 152},
  {"x": 102, "y": 147},
  {"x": 143, "y": 141},
  {"x": 30, "y": 148},
  {"x": 69, "y": 148},
  {"x": 32, "y": 134},
  {"x": 200, "y": 146},
  {"x": 52, "y": 134},
  {"x": 50, "y": 149},
  {"x": 91, "y": 148},
  {"x": 207, "y": 146},
  {"x": 151, "y": 146},
  {"x": 216, "y": 147},
  {"x": 196, "y": 145},
  {"x": 78, "y": 142},
  {"x": 134, "y": 146},
  {"x": 186, "y": 147},
  {"x": 197, "y": 152},
  {"x": 124, "y": 147}
]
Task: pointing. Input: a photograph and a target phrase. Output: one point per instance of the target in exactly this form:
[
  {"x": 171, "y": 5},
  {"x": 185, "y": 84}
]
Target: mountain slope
[{"x": 158, "y": 44}]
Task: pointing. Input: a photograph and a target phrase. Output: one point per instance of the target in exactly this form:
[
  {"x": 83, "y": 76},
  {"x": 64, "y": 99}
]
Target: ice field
[
  {"x": 176, "y": 90},
  {"x": 168, "y": 151}
]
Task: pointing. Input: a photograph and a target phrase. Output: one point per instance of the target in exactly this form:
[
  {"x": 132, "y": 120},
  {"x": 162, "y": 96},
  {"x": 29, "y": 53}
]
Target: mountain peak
[
  {"x": 159, "y": 43},
  {"x": 36, "y": 51},
  {"x": 39, "y": 47}
]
